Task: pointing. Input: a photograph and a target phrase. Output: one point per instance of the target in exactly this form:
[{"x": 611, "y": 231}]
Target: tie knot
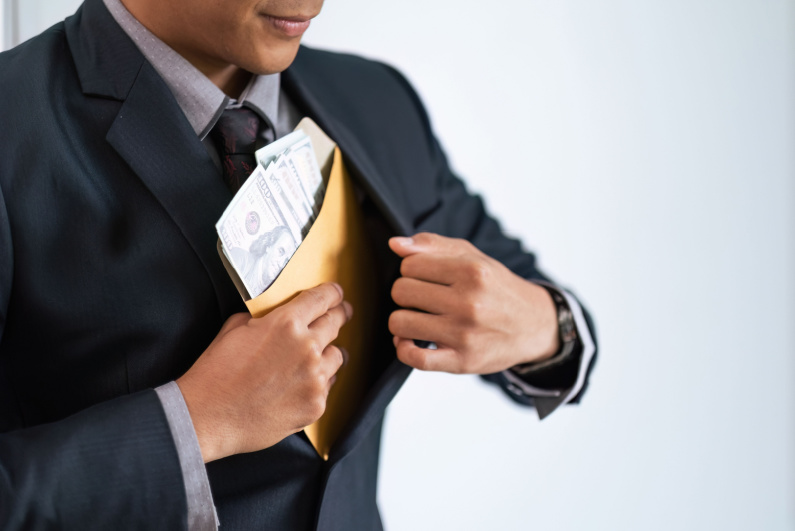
[
  {"x": 235, "y": 136},
  {"x": 236, "y": 131}
]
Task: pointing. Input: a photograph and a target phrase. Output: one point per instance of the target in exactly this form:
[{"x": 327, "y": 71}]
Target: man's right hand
[{"x": 261, "y": 380}]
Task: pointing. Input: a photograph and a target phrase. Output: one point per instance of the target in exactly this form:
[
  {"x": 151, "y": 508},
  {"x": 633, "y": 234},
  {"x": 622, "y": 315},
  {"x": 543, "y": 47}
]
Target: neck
[{"x": 231, "y": 79}]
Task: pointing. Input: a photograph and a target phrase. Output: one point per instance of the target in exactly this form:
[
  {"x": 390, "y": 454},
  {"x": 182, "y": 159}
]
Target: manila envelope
[{"x": 334, "y": 250}]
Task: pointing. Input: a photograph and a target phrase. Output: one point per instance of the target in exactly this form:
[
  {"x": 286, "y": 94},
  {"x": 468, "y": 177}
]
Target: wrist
[
  {"x": 565, "y": 333},
  {"x": 210, "y": 444},
  {"x": 545, "y": 342}
]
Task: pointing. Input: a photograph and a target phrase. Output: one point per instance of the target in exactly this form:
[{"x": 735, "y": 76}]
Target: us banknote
[{"x": 272, "y": 212}]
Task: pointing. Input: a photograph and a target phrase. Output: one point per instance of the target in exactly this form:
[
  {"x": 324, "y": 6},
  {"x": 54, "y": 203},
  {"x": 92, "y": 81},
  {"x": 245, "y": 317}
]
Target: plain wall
[{"x": 644, "y": 149}]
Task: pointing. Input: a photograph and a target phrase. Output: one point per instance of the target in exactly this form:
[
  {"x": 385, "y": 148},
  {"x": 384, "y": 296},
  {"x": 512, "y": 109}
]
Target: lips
[{"x": 289, "y": 26}]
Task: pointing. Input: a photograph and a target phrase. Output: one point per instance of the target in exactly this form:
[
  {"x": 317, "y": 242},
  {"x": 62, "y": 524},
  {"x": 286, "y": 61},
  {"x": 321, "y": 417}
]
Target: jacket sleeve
[
  {"x": 461, "y": 214},
  {"x": 113, "y": 465}
]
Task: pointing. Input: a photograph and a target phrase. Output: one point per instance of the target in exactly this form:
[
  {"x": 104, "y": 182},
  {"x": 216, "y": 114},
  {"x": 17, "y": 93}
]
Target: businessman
[{"x": 135, "y": 391}]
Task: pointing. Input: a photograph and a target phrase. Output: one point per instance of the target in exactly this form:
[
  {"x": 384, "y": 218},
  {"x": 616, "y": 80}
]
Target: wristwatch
[{"x": 567, "y": 332}]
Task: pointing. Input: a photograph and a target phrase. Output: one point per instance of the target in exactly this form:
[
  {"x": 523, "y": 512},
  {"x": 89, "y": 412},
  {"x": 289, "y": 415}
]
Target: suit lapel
[
  {"x": 309, "y": 98},
  {"x": 154, "y": 137},
  {"x": 306, "y": 92}
]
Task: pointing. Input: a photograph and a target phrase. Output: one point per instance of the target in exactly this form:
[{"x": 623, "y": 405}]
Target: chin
[{"x": 273, "y": 58}]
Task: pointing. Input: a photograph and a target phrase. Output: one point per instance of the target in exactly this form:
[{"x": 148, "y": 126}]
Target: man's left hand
[{"x": 482, "y": 317}]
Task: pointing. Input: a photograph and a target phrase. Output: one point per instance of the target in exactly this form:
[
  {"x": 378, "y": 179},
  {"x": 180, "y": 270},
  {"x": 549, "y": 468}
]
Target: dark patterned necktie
[{"x": 235, "y": 136}]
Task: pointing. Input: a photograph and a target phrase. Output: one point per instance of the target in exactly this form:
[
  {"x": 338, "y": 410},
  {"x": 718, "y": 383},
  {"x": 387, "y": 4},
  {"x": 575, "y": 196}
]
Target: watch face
[
  {"x": 566, "y": 328},
  {"x": 568, "y": 332}
]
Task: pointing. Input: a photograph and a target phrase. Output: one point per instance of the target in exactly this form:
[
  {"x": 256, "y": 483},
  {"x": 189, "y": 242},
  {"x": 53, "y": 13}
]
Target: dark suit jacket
[{"x": 110, "y": 283}]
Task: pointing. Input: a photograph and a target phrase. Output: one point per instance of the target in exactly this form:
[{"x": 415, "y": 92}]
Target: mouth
[{"x": 289, "y": 26}]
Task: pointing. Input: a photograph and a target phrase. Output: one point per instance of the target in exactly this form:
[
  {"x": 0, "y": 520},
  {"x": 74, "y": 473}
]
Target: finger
[
  {"x": 424, "y": 326},
  {"x": 234, "y": 321},
  {"x": 443, "y": 359},
  {"x": 327, "y": 326},
  {"x": 314, "y": 302},
  {"x": 473, "y": 269},
  {"x": 439, "y": 269},
  {"x": 331, "y": 361},
  {"x": 427, "y": 242},
  {"x": 426, "y": 296}
]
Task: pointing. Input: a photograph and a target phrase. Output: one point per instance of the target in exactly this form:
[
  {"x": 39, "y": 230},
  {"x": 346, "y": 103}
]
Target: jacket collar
[{"x": 107, "y": 61}]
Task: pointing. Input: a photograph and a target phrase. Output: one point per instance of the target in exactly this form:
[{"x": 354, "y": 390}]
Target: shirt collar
[{"x": 200, "y": 100}]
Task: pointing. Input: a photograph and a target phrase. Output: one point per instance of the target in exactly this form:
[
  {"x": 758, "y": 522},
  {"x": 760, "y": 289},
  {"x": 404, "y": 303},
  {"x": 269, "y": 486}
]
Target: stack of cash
[{"x": 272, "y": 212}]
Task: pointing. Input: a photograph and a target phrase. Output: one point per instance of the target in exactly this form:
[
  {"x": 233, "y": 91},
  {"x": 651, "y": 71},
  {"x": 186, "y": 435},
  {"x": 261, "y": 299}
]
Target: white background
[{"x": 644, "y": 149}]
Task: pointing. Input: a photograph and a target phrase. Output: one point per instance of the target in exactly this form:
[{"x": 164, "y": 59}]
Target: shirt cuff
[
  {"x": 548, "y": 400},
  {"x": 201, "y": 511}
]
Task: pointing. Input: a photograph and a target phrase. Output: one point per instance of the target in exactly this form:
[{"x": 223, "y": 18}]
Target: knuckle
[
  {"x": 317, "y": 406},
  {"x": 395, "y": 323},
  {"x": 319, "y": 384},
  {"x": 290, "y": 326},
  {"x": 477, "y": 272},
  {"x": 340, "y": 318},
  {"x": 471, "y": 309},
  {"x": 237, "y": 320},
  {"x": 407, "y": 265},
  {"x": 313, "y": 348},
  {"x": 416, "y": 359},
  {"x": 336, "y": 355},
  {"x": 325, "y": 320},
  {"x": 399, "y": 290},
  {"x": 421, "y": 362},
  {"x": 466, "y": 338},
  {"x": 334, "y": 333},
  {"x": 424, "y": 237},
  {"x": 317, "y": 294}
]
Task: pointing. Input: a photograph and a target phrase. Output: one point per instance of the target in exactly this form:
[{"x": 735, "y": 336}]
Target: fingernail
[
  {"x": 345, "y": 356},
  {"x": 348, "y": 308},
  {"x": 404, "y": 241},
  {"x": 339, "y": 288}
]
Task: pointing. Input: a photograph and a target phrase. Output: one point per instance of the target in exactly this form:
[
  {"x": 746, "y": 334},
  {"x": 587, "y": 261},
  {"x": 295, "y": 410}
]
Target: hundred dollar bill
[
  {"x": 255, "y": 234},
  {"x": 290, "y": 211},
  {"x": 272, "y": 212},
  {"x": 271, "y": 152},
  {"x": 295, "y": 193},
  {"x": 300, "y": 157},
  {"x": 304, "y": 164}
]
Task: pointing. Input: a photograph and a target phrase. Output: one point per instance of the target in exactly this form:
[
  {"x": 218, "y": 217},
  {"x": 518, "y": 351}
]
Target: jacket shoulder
[
  {"x": 347, "y": 77},
  {"x": 31, "y": 65},
  {"x": 365, "y": 94}
]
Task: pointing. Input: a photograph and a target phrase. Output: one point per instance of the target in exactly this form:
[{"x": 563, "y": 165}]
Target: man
[{"x": 110, "y": 285}]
